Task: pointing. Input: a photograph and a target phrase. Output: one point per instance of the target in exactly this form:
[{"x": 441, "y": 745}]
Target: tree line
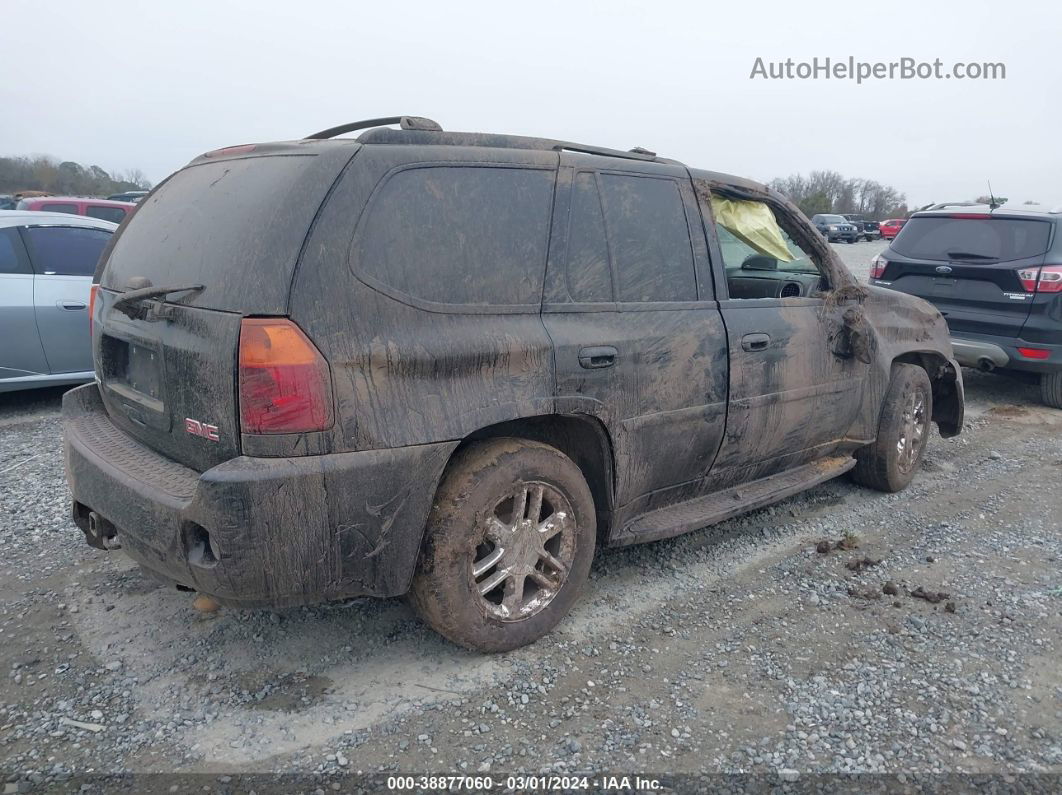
[
  {"x": 49, "y": 174},
  {"x": 830, "y": 192}
]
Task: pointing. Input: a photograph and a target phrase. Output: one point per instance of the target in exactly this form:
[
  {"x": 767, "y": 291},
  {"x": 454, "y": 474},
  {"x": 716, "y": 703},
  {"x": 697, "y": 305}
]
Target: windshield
[
  {"x": 834, "y": 219},
  {"x": 987, "y": 239}
]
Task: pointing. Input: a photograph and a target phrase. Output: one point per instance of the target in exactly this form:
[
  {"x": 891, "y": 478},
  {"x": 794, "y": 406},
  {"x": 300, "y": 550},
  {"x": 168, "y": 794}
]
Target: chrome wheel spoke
[
  {"x": 497, "y": 530},
  {"x": 514, "y": 594},
  {"x": 493, "y": 581},
  {"x": 553, "y": 563},
  {"x": 535, "y": 510},
  {"x": 559, "y": 522},
  {"x": 519, "y": 505},
  {"x": 484, "y": 564},
  {"x": 544, "y": 580}
]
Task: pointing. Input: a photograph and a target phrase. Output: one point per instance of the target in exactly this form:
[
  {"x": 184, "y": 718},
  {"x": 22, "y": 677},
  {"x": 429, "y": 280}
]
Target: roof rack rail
[
  {"x": 405, "y": 122},
  {"x": 1055, "y": 210},
  {"x": 633, "y": 154},
  {"x": 942, "y": 205}
]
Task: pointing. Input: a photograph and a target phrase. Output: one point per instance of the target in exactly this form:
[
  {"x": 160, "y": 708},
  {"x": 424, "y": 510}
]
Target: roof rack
[
  {"x": 405, "y": 122},
  {"x": 419, "y": 124},
  {"x": 942, "y": 205}
]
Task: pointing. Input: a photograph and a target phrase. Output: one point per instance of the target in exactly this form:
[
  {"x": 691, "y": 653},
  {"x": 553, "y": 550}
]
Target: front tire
[
  {"x": 1051, "y": 389},
  {"x": 890, "y": 462},
  {"x": 508, "y": 547}
]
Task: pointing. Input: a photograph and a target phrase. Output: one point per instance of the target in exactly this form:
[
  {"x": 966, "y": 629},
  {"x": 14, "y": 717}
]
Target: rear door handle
[
  {"x": 597, "y": 357},
  {"x": 71, "y": 305},
  {"x": 755, "y": 342}
]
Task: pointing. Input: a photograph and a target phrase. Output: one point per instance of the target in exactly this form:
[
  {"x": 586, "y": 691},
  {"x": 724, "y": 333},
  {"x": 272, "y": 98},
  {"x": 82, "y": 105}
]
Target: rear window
[
  {"x": 994, "y": 239},
  {"x": 235, "y": 226}
]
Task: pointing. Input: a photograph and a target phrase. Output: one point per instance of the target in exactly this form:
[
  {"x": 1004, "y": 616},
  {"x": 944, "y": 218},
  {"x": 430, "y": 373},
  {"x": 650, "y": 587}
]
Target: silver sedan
[{"x": 46, "y": 266}]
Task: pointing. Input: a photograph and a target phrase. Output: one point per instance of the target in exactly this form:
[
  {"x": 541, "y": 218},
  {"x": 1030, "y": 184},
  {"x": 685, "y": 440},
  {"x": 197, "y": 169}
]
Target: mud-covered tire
[
  {"x": 1051, "y": 389},
  {"x": 474, "y": 507},
  {"x": 888, "y": 464}
]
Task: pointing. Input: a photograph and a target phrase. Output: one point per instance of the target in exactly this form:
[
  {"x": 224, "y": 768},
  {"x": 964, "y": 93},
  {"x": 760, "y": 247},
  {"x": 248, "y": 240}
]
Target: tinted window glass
[
  {"x": 10, "y": 261},
  {"x": 66, "y": 250},
  {"x": 460, "y": 235},
  {"x": 115, "y": 214},
  {"x": 587, "y": 274},
  {"x": 648, "y": 239},
  {"x": 988, "y": 239},
  {"x": 59, "y": 208}
]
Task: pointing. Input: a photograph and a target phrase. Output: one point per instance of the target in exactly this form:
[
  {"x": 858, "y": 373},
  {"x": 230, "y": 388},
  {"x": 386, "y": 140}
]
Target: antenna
[{"x": 991, "y": 198}]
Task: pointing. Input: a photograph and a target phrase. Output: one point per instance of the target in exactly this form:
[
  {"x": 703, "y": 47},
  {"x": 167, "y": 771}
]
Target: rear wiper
[
  {"x": 132, "y": 296},
  {"x": 969, "y": 255}
]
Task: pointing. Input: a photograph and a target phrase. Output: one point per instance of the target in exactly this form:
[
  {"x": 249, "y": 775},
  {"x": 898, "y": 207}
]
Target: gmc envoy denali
[{"x": 450, "y": 365}]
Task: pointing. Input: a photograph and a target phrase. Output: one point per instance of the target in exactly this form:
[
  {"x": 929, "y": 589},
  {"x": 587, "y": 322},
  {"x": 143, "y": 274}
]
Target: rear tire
[
  {"x": 1051, "y": 389},
  {"x": 508, "y": 547},
  {"x": 890, "y": 462}
]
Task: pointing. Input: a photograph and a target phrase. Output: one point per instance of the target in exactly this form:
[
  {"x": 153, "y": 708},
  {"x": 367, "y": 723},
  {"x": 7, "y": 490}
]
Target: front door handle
[
  {"x": 756, "y": 342},
  {"x": 597, "y": 357},
  {"x": 71, "y": 305}
]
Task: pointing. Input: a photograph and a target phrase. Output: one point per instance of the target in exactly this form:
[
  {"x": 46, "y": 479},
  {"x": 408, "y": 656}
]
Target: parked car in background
[
  {"x": 868, "y": 229},
  {"x": 128, "y": 196},
  {"x": 836, "y": 227},
  {"x": 996, "y": 276},
  {"x": 104, "y": 209},
  {"x": 891, "y": 227},
  {"x": 7, "y": 202},
  {"x": 520, "y": 348},
  {"x": 46, "y": 265}
]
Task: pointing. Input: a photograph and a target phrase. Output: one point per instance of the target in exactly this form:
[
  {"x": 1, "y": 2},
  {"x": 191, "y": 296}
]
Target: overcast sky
[{"x": 151, "y": 85}]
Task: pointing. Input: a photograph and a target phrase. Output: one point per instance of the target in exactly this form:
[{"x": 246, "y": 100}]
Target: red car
[
  {"x": 93, "y": 208},
  {"x": 891, "y": 228}
]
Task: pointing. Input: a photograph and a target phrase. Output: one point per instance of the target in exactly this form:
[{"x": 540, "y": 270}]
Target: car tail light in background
[
  {"x": 1047, "y": 279},
  {"x": 285, "y": 385},
  {"x": 878, "y": 266},
  {"x": 1034, "y": 353},
  {"x": 92, "y": 305}
]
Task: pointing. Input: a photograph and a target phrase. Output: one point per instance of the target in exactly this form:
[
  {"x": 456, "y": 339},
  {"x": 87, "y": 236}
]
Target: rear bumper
[
  {"x": 255, "y": 531},
  {"x": 989, "y": 353}
]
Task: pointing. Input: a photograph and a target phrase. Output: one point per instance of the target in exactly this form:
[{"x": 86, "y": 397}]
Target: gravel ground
[{"x": 739, "y": 648}]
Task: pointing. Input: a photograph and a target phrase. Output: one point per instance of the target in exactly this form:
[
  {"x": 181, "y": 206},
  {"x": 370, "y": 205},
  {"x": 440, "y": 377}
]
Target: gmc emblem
[{"x": 197, "y": 428}]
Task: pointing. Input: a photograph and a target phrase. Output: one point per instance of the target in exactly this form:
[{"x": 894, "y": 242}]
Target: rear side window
[
  {"x": 65, "y": 250},
  {"x": 59, "y": 208},
  {"x": 995, "y": 239},
  {"x": 460, "y": 235},
  {"x": 11, "y": 258},
  {"x": 587, "y": 274},
  {"x": 114, "y": 214},
  {"x": 648, "y": 239}
]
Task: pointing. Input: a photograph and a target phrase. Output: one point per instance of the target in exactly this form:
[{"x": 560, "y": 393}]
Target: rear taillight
[
  {"x": 878, "y": 266},
  {"x": 285, "y": 386},
  {"x": 92, "y": 305},
  {"x": 1034, "y": 353},
  {"x": 1049, "y": 280}
]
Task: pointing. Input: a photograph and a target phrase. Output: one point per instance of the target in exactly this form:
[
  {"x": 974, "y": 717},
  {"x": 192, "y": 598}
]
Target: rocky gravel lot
[{"x": 927, "y": 644}]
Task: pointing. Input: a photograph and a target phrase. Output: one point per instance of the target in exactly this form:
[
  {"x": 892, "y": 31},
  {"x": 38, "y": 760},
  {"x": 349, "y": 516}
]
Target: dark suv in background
[
  {"x": 452, "y": 364},
  {"x": 836, "y": 227},
  {"x": 996, "y": 276},
  {"x": 868, "y": 229}
]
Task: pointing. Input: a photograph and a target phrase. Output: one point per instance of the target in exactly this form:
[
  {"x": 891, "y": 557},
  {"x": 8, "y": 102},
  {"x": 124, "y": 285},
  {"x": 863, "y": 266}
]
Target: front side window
[
  {"x": 761, "y": 259},
  {"x": 65, "y": 250},
  {"x": 648, "y": 239},
  {"x": 113, "y": 214},
  {"x": 459, "y": 235}
]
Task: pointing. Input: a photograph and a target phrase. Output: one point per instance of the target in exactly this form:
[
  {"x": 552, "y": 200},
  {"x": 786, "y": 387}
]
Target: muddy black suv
[
  {"x": 996, "y": 276},
  {"x": 452, "y": 364}
]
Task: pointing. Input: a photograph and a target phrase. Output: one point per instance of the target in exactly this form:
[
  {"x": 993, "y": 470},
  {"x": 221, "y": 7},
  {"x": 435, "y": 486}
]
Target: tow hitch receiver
[{"x": 99, "y": 532}]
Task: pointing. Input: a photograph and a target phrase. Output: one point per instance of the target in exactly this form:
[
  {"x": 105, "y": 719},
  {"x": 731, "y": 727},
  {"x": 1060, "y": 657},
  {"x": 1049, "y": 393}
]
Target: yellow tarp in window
[{"x": 753, "y": 224}]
